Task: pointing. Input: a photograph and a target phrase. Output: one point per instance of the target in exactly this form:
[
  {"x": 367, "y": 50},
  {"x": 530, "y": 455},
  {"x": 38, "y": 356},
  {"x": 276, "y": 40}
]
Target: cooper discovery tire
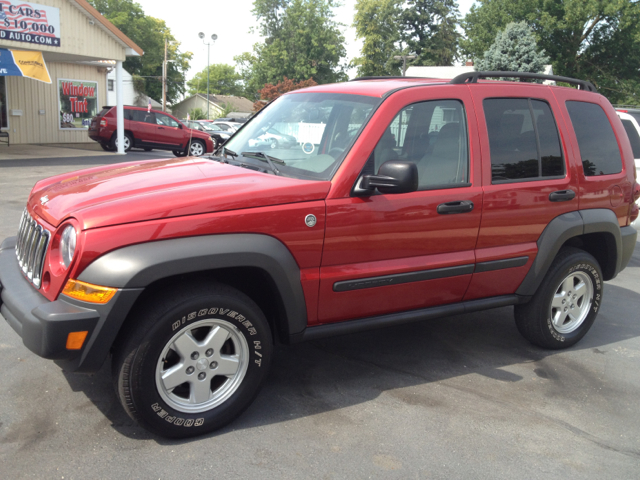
[
  {"x": 566, "y": 304},
  {"x": 194, "y": 361}
]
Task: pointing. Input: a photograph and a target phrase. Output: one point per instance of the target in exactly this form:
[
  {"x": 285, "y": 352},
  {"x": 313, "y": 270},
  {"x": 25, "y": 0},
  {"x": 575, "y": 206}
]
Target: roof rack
[
  {"x": 386, "y": 78},
  {"x": 472, "y": 77}
]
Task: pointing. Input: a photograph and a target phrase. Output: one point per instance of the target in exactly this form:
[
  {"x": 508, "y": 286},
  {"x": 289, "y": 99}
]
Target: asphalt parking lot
[{"x": 461, "y": 397}]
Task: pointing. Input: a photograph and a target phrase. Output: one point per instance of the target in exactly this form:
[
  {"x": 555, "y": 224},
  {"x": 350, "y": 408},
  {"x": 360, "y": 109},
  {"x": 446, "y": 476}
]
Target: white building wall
[{"x": 128, "y": 93}]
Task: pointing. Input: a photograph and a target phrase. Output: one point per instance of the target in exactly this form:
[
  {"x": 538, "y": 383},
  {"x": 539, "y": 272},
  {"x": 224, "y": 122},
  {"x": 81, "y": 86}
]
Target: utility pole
[
  {"x": 164, "y": 78},
  {"x": 404, "y": 59},
  {"x": 214, "y": 37}
]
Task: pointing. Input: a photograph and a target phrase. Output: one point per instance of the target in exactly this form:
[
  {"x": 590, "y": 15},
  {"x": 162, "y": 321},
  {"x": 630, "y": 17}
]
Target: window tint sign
[
  {"x": 78, "y": 103},
  {"x": 29, "y": 22}
]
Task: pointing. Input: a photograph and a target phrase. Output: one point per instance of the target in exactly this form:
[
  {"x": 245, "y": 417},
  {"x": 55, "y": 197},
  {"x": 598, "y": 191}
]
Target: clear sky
[{"x": 231, "y": 21}]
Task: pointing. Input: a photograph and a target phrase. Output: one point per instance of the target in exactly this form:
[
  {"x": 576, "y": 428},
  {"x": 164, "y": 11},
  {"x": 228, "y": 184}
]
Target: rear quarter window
[{"x": 599, "y": 149}]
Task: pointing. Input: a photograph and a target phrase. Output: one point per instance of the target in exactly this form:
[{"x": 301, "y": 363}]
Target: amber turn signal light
[
  {"x": 75, "y": 340},
  {"x": 88, "y": 292}
]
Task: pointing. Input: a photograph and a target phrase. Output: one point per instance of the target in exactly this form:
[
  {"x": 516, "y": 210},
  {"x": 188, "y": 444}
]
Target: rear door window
[
  {"x": 597, "y": 142},
  {"x": 523, "y": 140}
]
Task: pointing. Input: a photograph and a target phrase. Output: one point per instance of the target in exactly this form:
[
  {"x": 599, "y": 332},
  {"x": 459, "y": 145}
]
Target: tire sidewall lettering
[{"x": 244, "y": 326}]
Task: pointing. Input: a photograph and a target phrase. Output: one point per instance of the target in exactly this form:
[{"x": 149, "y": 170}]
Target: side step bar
[{"x": 353, "y": 326}]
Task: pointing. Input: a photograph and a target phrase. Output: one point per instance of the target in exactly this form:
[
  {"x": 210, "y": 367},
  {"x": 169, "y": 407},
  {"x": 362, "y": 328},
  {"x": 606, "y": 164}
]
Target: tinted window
[
  {"x": 632, "y": 133},
  {"x": 550, "y": 151},
  {"x": 166, "y": 120},
  {"x": 635, "y": 115},
  {"x": 596, "y": 140},
  {"x": 143, "y": 116},
  {"x": 433, "y": 135},
  {"x": 523, "y": 139}
]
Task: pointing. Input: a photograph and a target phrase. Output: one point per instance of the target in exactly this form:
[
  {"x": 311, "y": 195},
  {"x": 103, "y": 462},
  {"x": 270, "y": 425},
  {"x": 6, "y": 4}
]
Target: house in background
[
  {"x": 241, "y": 107},
  {"x": 129, "y": 94}
]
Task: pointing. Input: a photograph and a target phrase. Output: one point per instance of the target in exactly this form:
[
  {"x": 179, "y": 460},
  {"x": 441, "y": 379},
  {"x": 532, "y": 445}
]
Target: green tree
[
  {"x": 302, "y": 41},
  {"x": 429, "y": 28},
  {"x": 514, "y": 50},
  {"x": 197, "y": 114},
  {"x": 148, "y": 33},
  {"x": 589, "y": 39},
  {"x": 377, "y": 23},
  {"x": 223, "y": 80}
]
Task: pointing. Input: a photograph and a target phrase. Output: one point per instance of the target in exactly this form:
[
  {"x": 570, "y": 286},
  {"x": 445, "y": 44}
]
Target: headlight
[
  {"x": 224, "y": 135},
  {"x": 68, "y": 245}
]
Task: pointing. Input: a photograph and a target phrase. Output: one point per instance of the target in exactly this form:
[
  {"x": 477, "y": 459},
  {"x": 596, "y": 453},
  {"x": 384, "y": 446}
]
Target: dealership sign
[
  {"x": 30, "y": 23},
  {"x": 78, "y": 101}
]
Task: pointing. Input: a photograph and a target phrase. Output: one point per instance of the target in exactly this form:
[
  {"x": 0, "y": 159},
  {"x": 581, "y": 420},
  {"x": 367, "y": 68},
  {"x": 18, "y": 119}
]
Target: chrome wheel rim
[
  {"x": 202, "y": 366},
  {"x": 126, "y": 143},
  {"x": 196, "y": 149},
  {"x": 571, "y": 302}
]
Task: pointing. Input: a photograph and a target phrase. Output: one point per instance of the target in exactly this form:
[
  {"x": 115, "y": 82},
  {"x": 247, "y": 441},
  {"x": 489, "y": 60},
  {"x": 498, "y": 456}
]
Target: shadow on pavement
[{"x": 329, "y": 375}]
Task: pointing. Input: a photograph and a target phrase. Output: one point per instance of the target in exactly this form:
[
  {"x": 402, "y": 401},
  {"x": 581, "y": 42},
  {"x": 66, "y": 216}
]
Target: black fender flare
[
  {"x": 563, "y": 228},
  {"x": 135, "y": 267}
]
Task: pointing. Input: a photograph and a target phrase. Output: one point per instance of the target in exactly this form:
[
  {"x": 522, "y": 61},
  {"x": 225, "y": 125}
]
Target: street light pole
[
  {"x": 214, "y": 37},
  {"x": 404, "y": 59},
  {"x": 164, "y": 77}
]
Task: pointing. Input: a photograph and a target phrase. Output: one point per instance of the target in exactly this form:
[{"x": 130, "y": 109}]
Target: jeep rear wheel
[
  {"x": 566, "y": 304},
  {"x": 194, "y": 362}
]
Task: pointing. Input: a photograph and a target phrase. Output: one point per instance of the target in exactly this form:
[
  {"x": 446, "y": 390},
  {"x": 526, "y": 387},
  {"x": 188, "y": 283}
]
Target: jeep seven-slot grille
[{"x": 31, "y": 248}]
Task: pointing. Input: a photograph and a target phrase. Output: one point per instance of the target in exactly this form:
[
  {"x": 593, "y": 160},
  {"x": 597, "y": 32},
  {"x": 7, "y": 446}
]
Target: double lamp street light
[{"x": 214, "y": 37}]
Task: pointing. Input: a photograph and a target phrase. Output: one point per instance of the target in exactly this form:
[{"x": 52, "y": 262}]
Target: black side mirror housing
[{"x": 393, "y": 177}]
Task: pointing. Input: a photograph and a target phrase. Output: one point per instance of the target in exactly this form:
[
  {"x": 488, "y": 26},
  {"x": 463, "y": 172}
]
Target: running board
[{"x": 363, "y": 324}]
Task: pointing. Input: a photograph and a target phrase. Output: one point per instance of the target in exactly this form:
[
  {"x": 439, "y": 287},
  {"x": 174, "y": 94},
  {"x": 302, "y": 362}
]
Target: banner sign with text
[
  {"x": 78, "y": 101},
  {"x": 29, "y": 22},
  {"x": 16, "y": 63}
]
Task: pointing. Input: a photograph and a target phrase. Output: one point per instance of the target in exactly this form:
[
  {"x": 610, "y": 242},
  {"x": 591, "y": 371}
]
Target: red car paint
[{"x": 355, "y": 236}]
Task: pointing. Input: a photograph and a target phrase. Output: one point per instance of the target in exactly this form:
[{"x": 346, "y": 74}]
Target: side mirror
[{"x": 393, "y": 177}]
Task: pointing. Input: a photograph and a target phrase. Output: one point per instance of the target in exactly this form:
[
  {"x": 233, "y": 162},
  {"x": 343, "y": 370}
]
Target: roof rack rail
[
  {"x": 472, "y": 77},
  {"x": 386, "y": 78}
]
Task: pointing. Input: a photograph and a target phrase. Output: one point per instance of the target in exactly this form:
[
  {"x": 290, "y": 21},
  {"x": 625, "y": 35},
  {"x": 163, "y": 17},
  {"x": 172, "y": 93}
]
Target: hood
[{"x": 139, "y": 191}]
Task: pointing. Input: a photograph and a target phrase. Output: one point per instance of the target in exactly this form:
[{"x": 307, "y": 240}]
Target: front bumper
[{"x": 45, "y": 325}]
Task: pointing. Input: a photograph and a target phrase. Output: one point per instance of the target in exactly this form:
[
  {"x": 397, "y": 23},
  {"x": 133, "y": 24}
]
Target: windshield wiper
[
  {"x": 264, "y": 157},
  {"x": 225, "y": 150}
]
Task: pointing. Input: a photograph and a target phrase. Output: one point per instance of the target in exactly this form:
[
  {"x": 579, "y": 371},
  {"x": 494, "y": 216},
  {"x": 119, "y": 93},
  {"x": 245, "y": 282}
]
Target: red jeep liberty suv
[{"x": 406, "y": 199}]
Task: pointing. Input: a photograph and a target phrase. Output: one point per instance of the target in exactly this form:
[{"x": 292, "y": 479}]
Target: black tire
[
  {"x": 147, "y": 149},
  {"x": 545, "y": 320},
  {"x": 106, "y": 148},
  {"x": 179, "y": 153},
  {"x": 215, "y": 143},
  {"x": 149, "y": 358},
  {"x": 128, "y": 142}
]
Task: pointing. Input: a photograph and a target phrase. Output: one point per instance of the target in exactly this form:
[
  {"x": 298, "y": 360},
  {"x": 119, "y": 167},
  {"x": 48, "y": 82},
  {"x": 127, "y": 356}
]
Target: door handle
[
  {"x": 459, "y": 206},
  {"x": 160, "y": 128},
  {"x": 562, "y": 195}
]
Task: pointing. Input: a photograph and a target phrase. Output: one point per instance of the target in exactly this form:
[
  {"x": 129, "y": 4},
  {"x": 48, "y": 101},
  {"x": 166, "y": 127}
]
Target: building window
[
  {"x": 4, "y": 123},
  {"x": 110, "y": 85}
]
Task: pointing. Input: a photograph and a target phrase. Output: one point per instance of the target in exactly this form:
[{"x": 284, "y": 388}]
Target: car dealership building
[{"x": 79, "y": 47}]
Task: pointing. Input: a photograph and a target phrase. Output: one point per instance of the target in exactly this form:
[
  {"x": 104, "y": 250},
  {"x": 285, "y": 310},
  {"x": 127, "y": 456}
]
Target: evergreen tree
[{"x": 514, "y": 50}]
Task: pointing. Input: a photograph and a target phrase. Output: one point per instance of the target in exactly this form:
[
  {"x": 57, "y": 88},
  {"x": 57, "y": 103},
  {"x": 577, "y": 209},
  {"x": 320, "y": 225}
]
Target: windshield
[{"x": 307, "y": 134}]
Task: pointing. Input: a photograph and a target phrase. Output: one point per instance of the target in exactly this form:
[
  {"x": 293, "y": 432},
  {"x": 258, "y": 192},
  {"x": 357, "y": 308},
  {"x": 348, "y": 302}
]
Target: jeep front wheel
[
  {"x": 194, "y": 363},
  {"x": 566, "y": 304}
]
